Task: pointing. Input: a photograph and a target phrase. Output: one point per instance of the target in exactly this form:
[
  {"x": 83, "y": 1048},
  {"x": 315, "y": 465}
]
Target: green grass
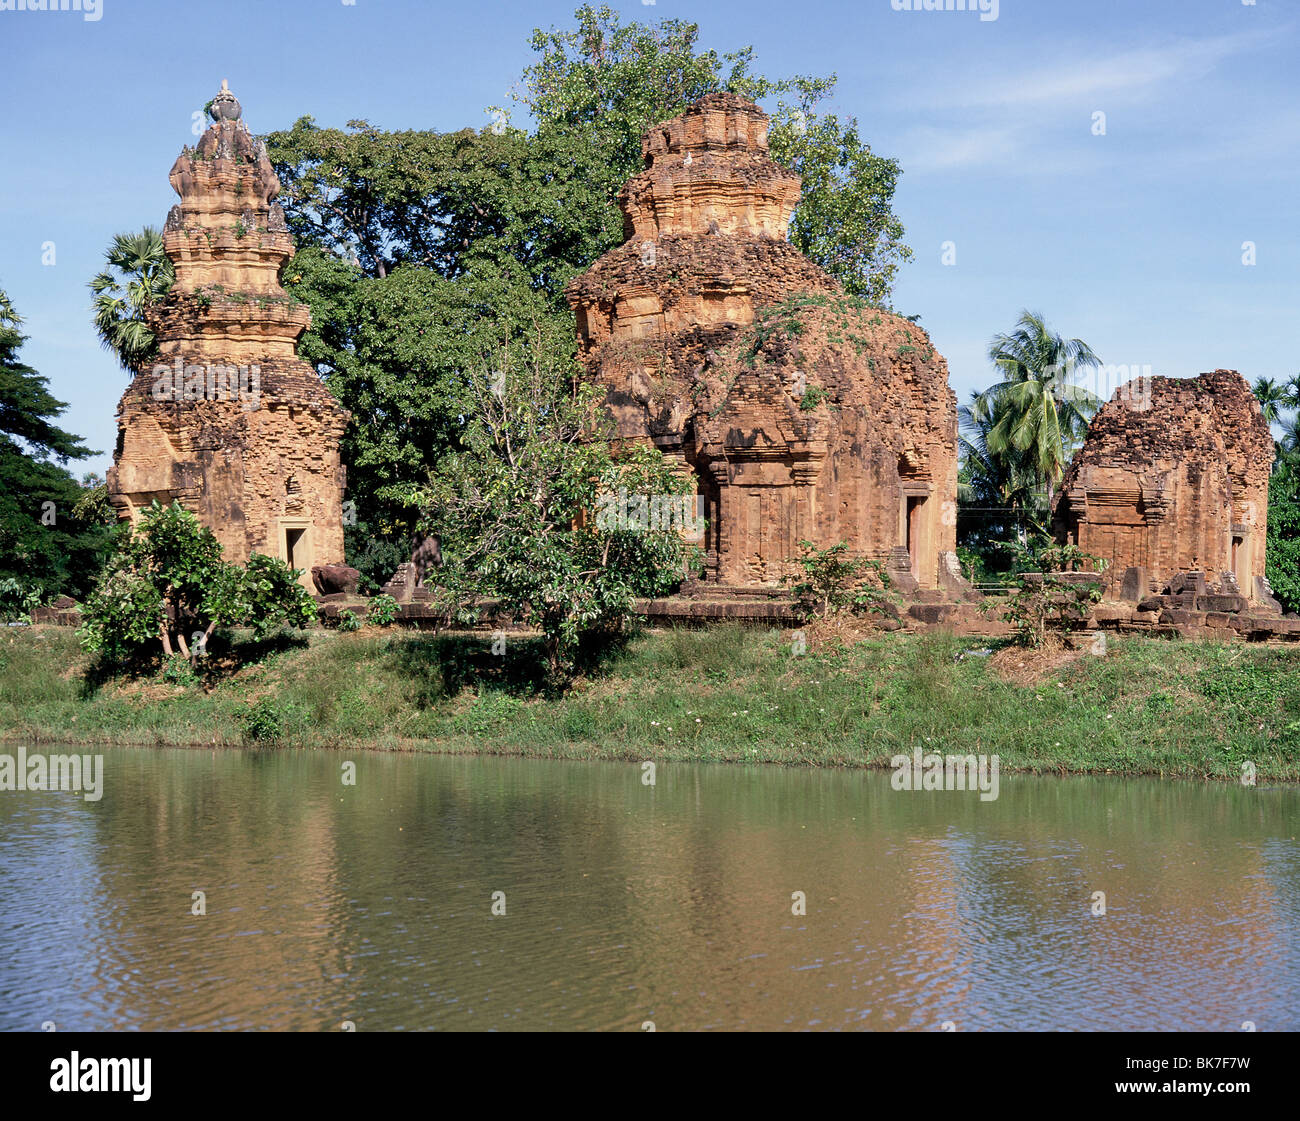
[{"x": 719, "y": 694}]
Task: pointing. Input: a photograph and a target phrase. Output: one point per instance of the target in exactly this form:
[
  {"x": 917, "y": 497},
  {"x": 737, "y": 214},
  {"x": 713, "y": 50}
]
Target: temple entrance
[
  {"x": 295, "y": 547},
  {"x": 1237, "y": 543},
  {"x": 912, "y": 519}
]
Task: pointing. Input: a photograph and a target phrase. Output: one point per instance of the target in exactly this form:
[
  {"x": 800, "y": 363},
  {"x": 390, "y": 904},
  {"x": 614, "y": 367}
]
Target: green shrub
[
  {"x": 179, "y": 670},
  {"x": 271, "y": 720},
  {"x": 348, "y": 621},
  {"x": 383, "y": 610},
  {"x": 17, "y": 599},
  {"x": 813, "y": 396},
  {"x": 168, "y": 583},
  {"x": 832, "y": 582},
  {"x": 1044, "y": 601}
]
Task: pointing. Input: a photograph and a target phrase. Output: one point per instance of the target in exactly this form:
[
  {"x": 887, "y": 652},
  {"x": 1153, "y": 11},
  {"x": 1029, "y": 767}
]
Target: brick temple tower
[
  {"x": 799, "y": 411},
  {"x": 1173, "y": 478},
  {"x": 228, "y": 419}
]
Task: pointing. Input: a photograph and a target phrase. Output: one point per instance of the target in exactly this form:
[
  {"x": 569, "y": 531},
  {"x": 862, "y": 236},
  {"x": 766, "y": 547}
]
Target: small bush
[
  {"x": 271, "y": 720},
  {"x": 348, "y": 621},
  {"x": 383, "y": 610},
  {"x": 17, "y": 600},
  {"x": 813, "y": 396},
  {"x": 1044, "y": 601},
  {"x": 179, "y": 670},
  {"x": 832, "y": 582}
]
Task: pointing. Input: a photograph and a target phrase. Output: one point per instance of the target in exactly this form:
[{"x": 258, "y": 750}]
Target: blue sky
[{"x": 1131, "y": 240}]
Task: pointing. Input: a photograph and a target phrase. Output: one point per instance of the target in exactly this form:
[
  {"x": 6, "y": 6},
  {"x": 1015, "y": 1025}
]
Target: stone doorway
[
  {"x": 295, "y": 547},
  {"x": 912, "y": 528}
]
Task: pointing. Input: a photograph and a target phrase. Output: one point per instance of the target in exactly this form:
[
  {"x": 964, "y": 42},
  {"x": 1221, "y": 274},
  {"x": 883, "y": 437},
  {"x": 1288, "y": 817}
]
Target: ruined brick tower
[
  {"x": 229, "y": 420},
  {"x": 800, "y": 412},
  {"x": 1173, "y": 478}
]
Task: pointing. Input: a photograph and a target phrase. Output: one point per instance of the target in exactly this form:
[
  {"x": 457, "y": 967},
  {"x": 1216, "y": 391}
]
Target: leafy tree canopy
[
  {"x": 399, "y": 351},
  {"x": 1283, "y": 563},
  {"x": 49, "y": 542},
  {"x": 1039, "y": 415},
  {"x": 604, "y": 83}
]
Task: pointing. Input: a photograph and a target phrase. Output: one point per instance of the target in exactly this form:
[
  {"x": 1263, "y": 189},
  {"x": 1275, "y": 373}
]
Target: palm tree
[
  {"x": 997, "y": 488},
  {"x": 1272, "y": 398},
  {"x": 1040, "y": 416},
  {"x": 1291, "y": 392},
  {"x": 1290, "y": 442},
  {"x": 138, "y": 274}
]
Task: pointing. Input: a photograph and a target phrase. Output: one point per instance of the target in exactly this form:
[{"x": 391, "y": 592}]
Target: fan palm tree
[
  {"x": 1272, "y": 398},
  {"x": 1040, "y": 415},
  {"x": 138, "y": 274}
]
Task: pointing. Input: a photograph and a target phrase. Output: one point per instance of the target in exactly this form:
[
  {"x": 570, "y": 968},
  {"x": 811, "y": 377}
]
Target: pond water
[{"x": 627, "y": 904}]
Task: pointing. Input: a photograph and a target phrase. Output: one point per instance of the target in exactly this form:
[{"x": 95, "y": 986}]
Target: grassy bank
[{"x": 724, "y": 694}]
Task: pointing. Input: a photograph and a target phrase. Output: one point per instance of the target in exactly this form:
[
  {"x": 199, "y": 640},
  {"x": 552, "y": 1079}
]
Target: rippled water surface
[{"x": 626, "y": 903}]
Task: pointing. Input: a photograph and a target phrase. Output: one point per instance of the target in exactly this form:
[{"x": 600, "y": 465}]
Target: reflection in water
[{"x": 626, "y": 903}]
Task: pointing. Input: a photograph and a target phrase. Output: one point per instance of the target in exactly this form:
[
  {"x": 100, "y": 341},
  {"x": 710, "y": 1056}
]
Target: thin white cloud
[
  {"x": 1128, "y": 72},
  {"x": 931, "y": 149}
]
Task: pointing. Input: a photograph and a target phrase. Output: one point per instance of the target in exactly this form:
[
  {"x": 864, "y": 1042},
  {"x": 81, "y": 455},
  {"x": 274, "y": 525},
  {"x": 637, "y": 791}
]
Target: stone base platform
[{"x": 1219, "y": 618}]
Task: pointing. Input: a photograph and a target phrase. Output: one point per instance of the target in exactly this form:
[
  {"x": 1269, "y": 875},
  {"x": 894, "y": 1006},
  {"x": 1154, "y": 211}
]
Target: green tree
[
  {"x": 604, "y": 83},
  {"x": 1041, "y": 416},
  {"x": 1292, "y": 391},
  {"x": 139, "y": 273},
  {"x": 1282, "y": 566},
  {"x": 415, "y": 247},
  {"x": 396, "y": 351},
  {"x": 525, "y": 512},
  {"x": 1271, "y": 397},
  {"x": 845, "y": 219},
  {"x": 453, "y": 203},
  {"x": 1289, "y": 445},
  {"x": 49, "y": 542},
  {"x": 168, "y": 583},
  {"x": 999, "y": 496}
]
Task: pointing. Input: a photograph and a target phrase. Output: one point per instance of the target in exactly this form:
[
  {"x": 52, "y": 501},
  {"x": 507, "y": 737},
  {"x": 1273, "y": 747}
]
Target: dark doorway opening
[
  {"x": 295, "y": 547},
  {"x": 914, "y": 532}
]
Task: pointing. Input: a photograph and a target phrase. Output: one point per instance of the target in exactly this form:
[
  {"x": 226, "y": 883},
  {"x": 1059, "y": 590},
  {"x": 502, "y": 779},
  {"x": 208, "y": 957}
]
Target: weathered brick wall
[
  {"x": 257, "y": 460},
  {"x": 1173, "y": 477},
  {"x": 802, "y": 413}
]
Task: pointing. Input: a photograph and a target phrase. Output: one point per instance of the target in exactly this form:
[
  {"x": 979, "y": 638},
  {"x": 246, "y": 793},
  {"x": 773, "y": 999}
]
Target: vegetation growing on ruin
[{"x": 831, "y": 581}]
